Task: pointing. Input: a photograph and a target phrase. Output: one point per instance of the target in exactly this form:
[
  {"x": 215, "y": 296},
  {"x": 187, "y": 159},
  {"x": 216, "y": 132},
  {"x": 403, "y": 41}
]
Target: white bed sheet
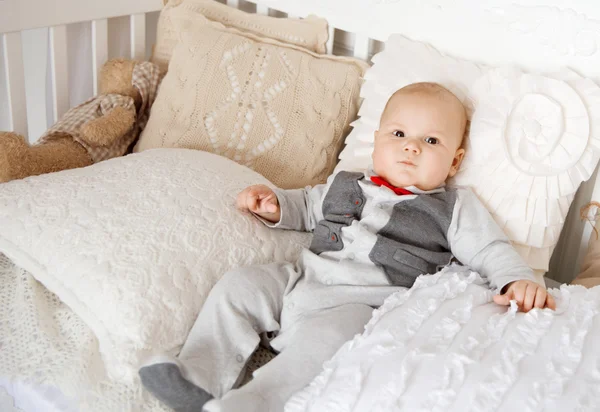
[{"x": 16, "y": 396}]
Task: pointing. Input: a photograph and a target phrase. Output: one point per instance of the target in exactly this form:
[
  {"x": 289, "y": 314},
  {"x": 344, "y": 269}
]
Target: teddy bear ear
[{"x": 116, "y": 76}]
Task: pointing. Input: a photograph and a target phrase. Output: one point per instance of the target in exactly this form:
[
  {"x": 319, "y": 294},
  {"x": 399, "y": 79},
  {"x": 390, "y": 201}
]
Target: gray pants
[{"x": 313, "y": 320}]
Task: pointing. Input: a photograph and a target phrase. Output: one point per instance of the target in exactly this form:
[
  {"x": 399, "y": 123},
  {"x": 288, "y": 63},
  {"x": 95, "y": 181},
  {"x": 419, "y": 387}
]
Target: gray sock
[{"x": 167, "y": 384}]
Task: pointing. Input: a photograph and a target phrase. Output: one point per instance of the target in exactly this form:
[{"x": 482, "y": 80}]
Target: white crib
[{"x": 538, "y": 37}]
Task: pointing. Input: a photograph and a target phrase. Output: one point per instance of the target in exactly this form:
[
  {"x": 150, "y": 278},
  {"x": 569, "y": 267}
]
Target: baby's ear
[{"x": 458, "y": 157}]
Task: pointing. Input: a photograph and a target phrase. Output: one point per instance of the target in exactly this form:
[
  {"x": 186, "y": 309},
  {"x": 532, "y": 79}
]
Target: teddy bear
[{"x": 101, "y": 128}]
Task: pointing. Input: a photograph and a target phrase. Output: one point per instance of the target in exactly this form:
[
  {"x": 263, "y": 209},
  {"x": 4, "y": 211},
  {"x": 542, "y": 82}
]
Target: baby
[{"x": 374, "y": 233}]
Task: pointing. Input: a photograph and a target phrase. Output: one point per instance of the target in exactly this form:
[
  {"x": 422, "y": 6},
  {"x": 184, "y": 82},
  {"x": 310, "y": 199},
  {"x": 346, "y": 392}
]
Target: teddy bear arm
[
  {"x": 105, "y": 130},
  {"x": 19, "y": 160}
]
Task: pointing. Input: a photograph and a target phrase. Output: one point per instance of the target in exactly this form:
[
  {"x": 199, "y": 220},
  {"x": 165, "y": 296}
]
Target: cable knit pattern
[
  {"x": 443, "y": 346},
  {"x": 133, "y": 245},
  {"x": 278, "y": 109},
  {"x": 310, "y": 33}
]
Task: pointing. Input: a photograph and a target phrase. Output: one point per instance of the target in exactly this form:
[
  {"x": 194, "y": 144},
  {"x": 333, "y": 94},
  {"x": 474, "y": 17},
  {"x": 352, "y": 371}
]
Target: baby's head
[{"x": 420, "y": 136}]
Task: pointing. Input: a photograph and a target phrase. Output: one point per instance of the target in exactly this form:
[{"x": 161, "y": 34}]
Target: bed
[{"x": 64, "y": 341}]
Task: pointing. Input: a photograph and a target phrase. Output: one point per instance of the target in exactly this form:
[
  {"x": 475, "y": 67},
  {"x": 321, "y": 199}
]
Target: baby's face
[{"x": 419, "y": 138}]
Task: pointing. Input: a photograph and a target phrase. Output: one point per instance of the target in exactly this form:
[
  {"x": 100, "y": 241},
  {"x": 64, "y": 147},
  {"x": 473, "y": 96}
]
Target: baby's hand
[
  {"x": 528, "y": 295},
  {"x": 260, "y": 200}
]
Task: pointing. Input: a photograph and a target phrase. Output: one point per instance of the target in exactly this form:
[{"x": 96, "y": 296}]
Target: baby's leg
[
  {"x": 314, "y": 341},
  {"x": 243, "y": 304}
]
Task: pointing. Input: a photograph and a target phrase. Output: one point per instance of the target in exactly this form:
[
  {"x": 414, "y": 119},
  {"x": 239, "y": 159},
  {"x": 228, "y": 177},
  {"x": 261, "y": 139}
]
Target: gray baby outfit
[{"x": 368, "y": 243}]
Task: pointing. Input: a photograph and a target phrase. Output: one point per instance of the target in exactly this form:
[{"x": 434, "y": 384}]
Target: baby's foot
[{"x": 166, "y": 382}]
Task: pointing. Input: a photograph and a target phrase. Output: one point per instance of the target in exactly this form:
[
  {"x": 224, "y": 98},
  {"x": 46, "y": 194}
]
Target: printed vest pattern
[{"x": 413, "y": 242}]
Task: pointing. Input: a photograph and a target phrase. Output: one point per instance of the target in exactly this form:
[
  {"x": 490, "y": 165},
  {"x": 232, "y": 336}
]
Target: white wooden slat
[
  {"x": 263, "y": 10},
  {"x": 138, "y": 36},
  {"x": 16, "y": 15},
  {"x": 233, "y": 3},
  {"x": 361, "y": 47},
  {"x": 330, "y": 39},
  {"x": 14, "y": 69},
  {"x": 59, "y": 71},
  {"x": 99, "y": 49}
]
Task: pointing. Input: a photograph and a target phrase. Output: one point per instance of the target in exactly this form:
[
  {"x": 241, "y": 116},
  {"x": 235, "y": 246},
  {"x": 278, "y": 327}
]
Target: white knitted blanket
[{"x": 43, "y": 342}]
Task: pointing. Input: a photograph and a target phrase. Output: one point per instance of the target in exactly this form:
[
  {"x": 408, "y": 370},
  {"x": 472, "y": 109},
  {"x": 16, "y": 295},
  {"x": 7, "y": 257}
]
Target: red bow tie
[{"x": 382, "y": 182}]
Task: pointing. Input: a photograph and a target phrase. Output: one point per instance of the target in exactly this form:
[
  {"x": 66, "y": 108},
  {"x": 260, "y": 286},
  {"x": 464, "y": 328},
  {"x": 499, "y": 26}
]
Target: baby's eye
[
  {"x": 398, "y": 133},
  {"x": 431, "y": 140}
]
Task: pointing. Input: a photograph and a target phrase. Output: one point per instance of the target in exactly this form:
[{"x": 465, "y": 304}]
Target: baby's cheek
[
  {"x": 440, "y": 168},
  {"x": 380, "y": 160}
]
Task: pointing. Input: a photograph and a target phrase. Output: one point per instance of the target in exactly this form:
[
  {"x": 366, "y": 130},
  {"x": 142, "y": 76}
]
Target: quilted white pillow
[
  {"x": 534, "y": 138},
  {"x": 442, "y": 346},
  {"x": 133, "y": 245}
]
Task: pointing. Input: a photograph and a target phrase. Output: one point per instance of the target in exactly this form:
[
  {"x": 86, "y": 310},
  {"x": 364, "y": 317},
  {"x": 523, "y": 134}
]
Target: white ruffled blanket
[{"x": 442, "y": 346}]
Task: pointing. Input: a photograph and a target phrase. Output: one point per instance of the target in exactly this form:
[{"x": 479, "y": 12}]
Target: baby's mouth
[{"x": 407, "y": 162}]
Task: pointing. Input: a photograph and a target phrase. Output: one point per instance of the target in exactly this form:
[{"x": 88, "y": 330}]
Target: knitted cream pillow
[
  {"x": 310, "y": 33},
  {"x": 276, "y": 108}
]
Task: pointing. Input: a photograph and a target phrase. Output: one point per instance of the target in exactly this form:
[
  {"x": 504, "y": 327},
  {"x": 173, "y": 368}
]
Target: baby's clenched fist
[{"x": 260, "y": 200}]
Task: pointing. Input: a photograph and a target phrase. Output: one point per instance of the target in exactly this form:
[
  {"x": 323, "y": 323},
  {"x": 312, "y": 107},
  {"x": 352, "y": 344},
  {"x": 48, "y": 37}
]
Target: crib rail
[
  {"x": 362, "y": 46},
  {"x": 17, "y": 16}
]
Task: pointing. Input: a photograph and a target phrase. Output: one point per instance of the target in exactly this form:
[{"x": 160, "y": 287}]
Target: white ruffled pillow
[
  {"x": 534, "y": 139},
  {"x": 134, "y": 244}
]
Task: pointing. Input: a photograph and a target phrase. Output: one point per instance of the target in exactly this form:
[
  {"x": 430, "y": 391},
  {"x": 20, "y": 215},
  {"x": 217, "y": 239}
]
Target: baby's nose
[{"x": 412, "y": 147}]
